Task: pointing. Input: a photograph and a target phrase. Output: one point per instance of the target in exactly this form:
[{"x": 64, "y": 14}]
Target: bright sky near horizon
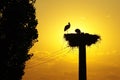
[{"x": 52, "y": 62}]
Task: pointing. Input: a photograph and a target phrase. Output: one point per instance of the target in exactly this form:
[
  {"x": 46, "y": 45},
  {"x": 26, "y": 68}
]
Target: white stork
[
  {"x": 67, "y": 26},
  {"x": 77, "y": 31}
]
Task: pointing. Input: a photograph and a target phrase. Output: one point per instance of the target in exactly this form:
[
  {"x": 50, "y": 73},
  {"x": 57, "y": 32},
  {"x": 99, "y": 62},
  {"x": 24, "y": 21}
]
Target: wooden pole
[
  {"x": 80, "y": 40},
  {"x": 82, "y": 62}
]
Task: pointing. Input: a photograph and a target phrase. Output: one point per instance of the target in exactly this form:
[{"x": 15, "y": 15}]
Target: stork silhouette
[
  {"x": 77, "y": 31},
  {"x": 67, "y": 26}
]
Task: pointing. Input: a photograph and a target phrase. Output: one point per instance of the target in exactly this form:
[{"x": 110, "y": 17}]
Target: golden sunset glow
[{"x": 53, "y": 60}]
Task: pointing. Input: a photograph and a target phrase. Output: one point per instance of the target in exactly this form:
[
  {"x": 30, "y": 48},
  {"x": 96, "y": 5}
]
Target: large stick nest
[{"x": 81, "y": 39}]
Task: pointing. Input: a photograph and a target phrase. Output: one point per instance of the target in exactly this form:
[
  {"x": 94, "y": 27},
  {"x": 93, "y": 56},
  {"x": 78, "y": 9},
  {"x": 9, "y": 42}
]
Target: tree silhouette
[
  {"x": 80, "y": 40},
  {"x": 18, "y": 34}
]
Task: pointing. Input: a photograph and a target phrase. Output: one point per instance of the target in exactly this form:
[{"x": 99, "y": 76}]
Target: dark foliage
[
  {"x": 18, "y": 34},
  {"x": 81, "y": 39}
]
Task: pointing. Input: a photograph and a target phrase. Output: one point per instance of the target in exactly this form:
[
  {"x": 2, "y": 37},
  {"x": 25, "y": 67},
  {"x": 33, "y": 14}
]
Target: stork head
[
  {"x": 68, "y": 23},
  {"x": 77, "y": 31}
]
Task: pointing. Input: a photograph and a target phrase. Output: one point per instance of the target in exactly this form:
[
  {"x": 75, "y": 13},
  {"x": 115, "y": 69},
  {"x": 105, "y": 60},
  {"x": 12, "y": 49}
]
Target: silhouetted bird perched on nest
[
  {"x": 77, "y": 31},
  {"x": 67, "y": 26}
]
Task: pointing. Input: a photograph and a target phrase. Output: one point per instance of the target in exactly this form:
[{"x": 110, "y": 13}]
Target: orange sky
[{"x": 52, "y": 62}]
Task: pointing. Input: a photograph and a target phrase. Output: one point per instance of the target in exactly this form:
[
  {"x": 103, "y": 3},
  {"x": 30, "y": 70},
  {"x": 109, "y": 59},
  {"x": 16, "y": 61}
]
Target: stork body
[{"x": 67, "y": 26}]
